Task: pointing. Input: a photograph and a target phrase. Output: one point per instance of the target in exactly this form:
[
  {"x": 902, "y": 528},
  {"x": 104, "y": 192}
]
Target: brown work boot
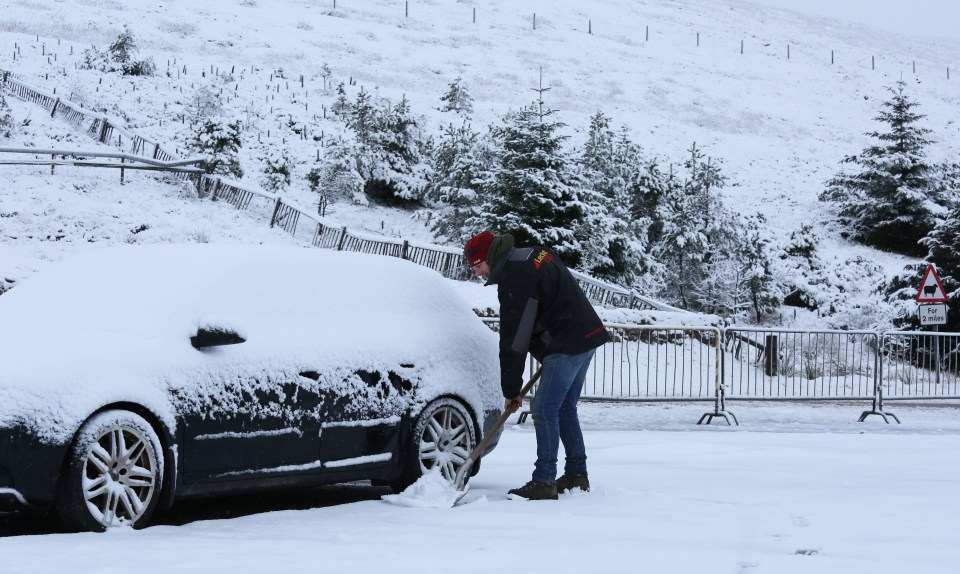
[
  {"x": 571, "y": 481},
  {"x": 534, "y": 490}
]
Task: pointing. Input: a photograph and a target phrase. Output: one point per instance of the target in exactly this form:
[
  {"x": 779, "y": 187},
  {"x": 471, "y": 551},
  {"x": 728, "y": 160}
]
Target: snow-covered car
[{"x": 134, "y": 376}]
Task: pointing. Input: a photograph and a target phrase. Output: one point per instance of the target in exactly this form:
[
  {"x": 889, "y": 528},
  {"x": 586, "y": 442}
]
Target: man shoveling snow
[{"x": 544, "y": 312}]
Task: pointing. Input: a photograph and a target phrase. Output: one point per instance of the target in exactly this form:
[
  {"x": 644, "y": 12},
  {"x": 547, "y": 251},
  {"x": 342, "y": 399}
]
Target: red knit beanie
[{"x": 476, "y": 249}]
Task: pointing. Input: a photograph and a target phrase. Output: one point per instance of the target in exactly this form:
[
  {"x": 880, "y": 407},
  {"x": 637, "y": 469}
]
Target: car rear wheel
[
  {"x": 114, "y": 473},
  {"x": 443, "y": 436}
]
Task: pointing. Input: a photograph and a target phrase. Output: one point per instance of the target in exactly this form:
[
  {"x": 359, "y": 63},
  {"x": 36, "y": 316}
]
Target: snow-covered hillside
[{"x": 777, "y": 96}]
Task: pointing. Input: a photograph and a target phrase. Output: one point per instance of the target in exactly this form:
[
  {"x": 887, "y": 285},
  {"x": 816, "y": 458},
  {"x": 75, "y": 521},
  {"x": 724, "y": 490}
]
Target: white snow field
[
  {"x": 797, "y": 488},
  {"x": 794, "y": 489}
]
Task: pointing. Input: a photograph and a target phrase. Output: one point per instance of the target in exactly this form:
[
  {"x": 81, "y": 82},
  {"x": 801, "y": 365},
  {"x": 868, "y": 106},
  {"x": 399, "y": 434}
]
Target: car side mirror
[{"x": 212, "y": 337}]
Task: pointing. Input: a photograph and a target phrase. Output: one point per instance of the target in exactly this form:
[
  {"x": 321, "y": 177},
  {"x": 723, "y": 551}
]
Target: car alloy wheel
[
  {"x": 445, "y": 437},
  {"x": 115, "y": 473}
]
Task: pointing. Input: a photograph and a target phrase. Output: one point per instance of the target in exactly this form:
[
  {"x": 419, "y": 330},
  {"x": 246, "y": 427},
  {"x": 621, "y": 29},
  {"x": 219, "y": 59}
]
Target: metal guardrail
[{"x": 60, "y": 157}]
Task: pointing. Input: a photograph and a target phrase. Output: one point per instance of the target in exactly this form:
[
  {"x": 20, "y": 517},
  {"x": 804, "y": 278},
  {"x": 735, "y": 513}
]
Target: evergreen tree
[
  {"x": 122, "y": 52},
  {"x": 276, "y": 170},
  {"x": 326, "y": 73},
  {"x": 219, "y": 145},
  {"x": 362, "y": 116},
  {"x": 338, "y": 175},
  {"x": 892, "y": 201},
  {"x": 756, "y": 260},
  {"x": 457, "y": 99},
  {"x": 614, "y": 241},
  {"x": 341, "y": 106},
  {"x": 529, "y": 195},
  {"x": 6, "y": 118},
  {"x": 397, "y": 172},
  {"x": 696, "y": 229},
  {"x": 124, "y": 48},
  {"x": 460, "y": 174},
  {"x": 805, "y": 275}
]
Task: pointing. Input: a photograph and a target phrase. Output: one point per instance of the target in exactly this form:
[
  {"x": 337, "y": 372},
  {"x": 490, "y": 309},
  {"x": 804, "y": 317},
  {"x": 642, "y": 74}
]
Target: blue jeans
[{"x": 554, "y": 410}]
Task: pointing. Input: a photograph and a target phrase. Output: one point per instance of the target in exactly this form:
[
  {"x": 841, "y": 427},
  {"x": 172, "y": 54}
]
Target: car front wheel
[
  {"x": 443, "y": 436},
  {"x": 114, "y": 473}
]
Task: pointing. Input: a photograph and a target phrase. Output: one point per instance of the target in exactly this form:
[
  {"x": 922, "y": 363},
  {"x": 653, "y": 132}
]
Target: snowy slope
[{"x": 674, "y": 72}]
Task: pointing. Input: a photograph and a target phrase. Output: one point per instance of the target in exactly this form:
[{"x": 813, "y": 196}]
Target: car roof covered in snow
[{"x": 121, "y": 318}]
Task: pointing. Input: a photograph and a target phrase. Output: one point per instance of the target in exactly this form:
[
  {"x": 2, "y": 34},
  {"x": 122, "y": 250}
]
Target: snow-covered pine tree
[
  {"x": 326, "y": 73},
  {"x": 804, "y": 275},
  {"x": 460, "y": 173},
  {"x": 892, "y": 201},
  {"x": 530, "y": 196},
  {"x": 341, "y": 106},
  {"x": 457, "y": 99},
  {"x": 276, "y": 170},
  {"x": 388, "y": 153},
  {"x": 338, "y": 175},
  {"x": 362, "y": 116},
  {"x": 124, "y": 48},
  {"x": 614, "y": 240},
  {"x": 755, "y": 254},
  {"x": 122, "y": 52},
  {"x": 696, "y": 228},
  {"x": 6, "y": 118},
  {"x": 219, "y": 144}
]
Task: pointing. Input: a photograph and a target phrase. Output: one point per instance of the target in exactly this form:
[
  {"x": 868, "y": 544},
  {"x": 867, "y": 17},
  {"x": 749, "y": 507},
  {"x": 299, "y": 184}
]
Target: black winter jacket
[{"x": 542, "y": 310}]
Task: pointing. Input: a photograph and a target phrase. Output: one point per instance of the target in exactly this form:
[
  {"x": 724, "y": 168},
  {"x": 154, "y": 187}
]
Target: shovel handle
[{"x": 460, "y": 481}]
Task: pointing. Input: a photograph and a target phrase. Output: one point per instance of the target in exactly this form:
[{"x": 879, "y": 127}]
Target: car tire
[
  {"x": 113, "y": 475},
  {"x": 444, "y": 434}
]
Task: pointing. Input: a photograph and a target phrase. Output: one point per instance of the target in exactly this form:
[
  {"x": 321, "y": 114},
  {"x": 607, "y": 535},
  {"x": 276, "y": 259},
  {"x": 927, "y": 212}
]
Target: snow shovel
[{"x": 460, "y": 481}]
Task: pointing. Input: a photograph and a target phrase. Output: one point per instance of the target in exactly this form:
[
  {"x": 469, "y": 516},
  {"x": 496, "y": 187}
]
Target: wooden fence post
[
  {"x": 343, "y": 236},
  {"x": 276, "y": 209},
  {"x": 121, "y": 170},
  {"x": 771, "y": 356},
  {"x": 403, "y": 251},
  {"x": 56, "y": 103}
]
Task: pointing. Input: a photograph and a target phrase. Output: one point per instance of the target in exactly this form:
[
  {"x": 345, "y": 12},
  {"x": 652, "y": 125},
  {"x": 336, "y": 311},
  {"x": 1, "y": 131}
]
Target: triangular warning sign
[{"x": 931, "y": 289}]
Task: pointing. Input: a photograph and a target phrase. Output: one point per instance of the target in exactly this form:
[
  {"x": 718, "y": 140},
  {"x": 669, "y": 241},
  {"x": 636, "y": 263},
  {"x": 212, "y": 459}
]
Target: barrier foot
[
  {"x": 727, "y": 415},
  {"x": 523, "y": 417},
  {"x": 881, "y": 414}
]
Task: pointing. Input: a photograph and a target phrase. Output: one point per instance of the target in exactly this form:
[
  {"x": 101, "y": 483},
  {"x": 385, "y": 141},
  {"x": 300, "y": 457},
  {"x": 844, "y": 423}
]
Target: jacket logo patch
[{"x": 542, "y": 257}]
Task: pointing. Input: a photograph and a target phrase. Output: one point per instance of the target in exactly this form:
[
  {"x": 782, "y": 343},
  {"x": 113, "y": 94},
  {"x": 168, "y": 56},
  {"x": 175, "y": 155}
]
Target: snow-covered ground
[{"x": 794, "y": 489}]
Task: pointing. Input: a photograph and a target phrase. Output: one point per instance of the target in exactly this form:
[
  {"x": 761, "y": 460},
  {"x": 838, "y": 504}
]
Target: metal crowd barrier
[
  {"x": 920, "y": 365},
  {"x": 651, "y": 363},
  {"x": 800, "y": 364}
]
